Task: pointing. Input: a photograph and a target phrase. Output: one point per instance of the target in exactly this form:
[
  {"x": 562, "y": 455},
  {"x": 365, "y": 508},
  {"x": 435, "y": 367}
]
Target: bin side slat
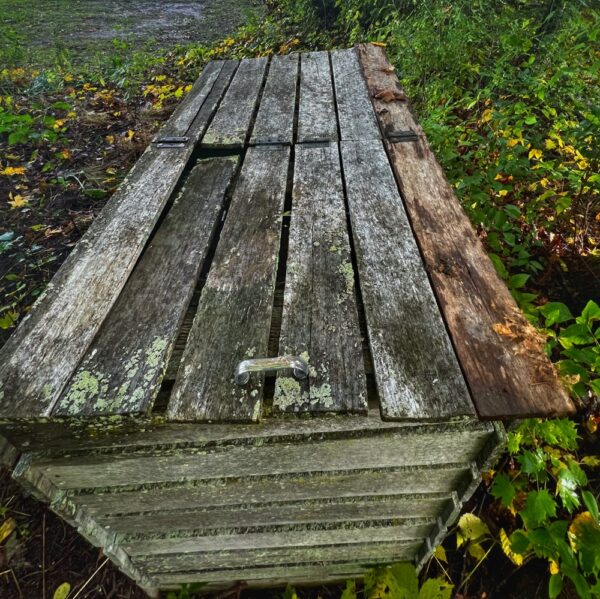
[
  {"x": 39, "y": 358},
  {"x": 272, "y": 490},
  {"x": 123, "y": 368},
  {"x": 280, "y": 515},
  {"x": 500, "y": 352},
  {"x": 325, "y": 456},
  {"x": 234, "y": 315},
  {"x": 417, "y": 373},
  {"x": 316, "y": 114},
  {"x": 387, "y": 551},
  {"x": 355, "y": 110},
  {"x": 300, "y": 538},
  {"x": 229, "y": 128},
  {"x": 275, "y": 118},
  {"x": 320, "y": 318}
]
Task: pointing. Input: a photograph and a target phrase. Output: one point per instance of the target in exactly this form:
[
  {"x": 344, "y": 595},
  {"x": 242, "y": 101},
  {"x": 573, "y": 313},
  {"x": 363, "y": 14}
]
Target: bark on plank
[
  {"x": 507, "y": 371},
  {"x": 234, "y": 315},
  {"x": 42, "y": 354},
  {"x": 275, "y": 119},
  {"x": 316, "y": 119},
  {"x": 123, "y": 368},
  {"x": 355, "y": 110},
  {"x": 320, "y": 318},
  {"x": 417, "y": 373},
  {"x": 229, "y": 128}
]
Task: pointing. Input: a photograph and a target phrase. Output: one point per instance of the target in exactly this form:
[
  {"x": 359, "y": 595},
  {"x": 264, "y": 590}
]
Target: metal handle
[{"x": 245, "y": 367}]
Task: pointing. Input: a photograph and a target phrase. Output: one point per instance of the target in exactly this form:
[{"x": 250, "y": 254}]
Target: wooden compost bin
[{"x": 290, "y": 207}]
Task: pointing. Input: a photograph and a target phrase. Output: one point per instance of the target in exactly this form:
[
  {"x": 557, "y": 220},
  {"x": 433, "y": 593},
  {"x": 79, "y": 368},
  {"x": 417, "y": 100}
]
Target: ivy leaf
[
  {"x": 533, "y": 462},
  {"x": 471, "y": 528},
  {"x": 576, "y": 334},
  {"x": 519, "y": 541},
  {"x": 350, "y": 590},
  {"x": 590, "y": 313},
  {"x": 513, "y": 556},
  {"x": 566, "y": 488},
  {"x": 538, "y": 508},
  {"x": 591, "y": 504},
  {"x": 584, "y": 537},
  {"x": 555, "y": 585},
  {"x": 435, "y": 588},
  {"x": 561, "y": 432},
  {"x": 555, "y": 313},
  {"x": 406, "y": 577},
  {"x": 503, "y": 489}
]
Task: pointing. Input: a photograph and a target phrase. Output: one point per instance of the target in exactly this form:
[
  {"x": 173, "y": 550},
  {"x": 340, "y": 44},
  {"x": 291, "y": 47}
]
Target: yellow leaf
[
  {"x": 130, "y": 134},
  {"x": 68, "y": 78},
  {"x": 62, "y": 592},
  {"x": 577, "y": 529},
  {"x": 440, "y": 554},
  {"x": 110, "y": 139},
  {"x": 7, "y": 528},
  {"x": 380, "y": 44},
  {"x": 535, "y": 153},
  {"x": 550, "y": 145},
  {"x": 591, "y": 460},
  {"x": 17, "y": 201},
  {"x": 471, "y": 528},
  {"x": 9, "y": 171},
  {"x": 503, "y": 192},
  {"x": 515, "y": 558},
  {"x": 553, "y": 567},
  {"x": 486, "y": 116},
  {"x": 513, "y": 142}
]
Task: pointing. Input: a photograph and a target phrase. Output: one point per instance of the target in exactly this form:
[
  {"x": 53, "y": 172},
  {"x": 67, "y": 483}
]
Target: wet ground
[{"x": 46, "y": 30}]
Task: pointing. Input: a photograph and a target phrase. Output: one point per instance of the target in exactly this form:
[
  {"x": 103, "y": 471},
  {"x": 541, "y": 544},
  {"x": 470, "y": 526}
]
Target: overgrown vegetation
[{"x": 508, "y": 93}]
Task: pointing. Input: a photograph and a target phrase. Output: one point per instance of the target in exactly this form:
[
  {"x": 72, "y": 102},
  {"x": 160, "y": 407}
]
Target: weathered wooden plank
[
  {"x": 275, "y": 119},
  {"x": 271, "y": 490},
  {"x": 249, "y": 461},
  {"x": 229, "y": 128},
  {"x": 355, "y": 110},
  {"x": 314, "y": 574},
  {"x": 416, "y": 370},
  {"x": 234, "y": 315},
  {"x": 202, "y": 520},
  {"x": 303, "y": 537},
  {"x": 507, "y": 372},
  {"x": 320, "y": 318},
  {"x": 317, "y": 120},
  {"x": 383, "y": 552},
  {"x": 41, "y": 355},
  {"x": 123, "y": 368}
]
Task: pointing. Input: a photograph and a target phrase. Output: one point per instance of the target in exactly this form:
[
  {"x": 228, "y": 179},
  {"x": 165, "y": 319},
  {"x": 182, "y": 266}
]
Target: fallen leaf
[
  {"x": 380, "y": 44},
  {"x": 390, "y": 95},
  {"x": 9, "y": 171},
  {"x": 17, "y": 201},
  {"x": 8, "y": 526}
]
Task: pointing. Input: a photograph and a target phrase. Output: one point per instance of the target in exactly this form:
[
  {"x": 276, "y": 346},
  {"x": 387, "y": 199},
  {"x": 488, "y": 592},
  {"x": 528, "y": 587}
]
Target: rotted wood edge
[{"x": 501, "y": 354}]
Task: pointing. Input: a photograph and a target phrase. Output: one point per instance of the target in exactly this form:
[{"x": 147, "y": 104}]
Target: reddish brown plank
[{"x": 500, "y": 352}]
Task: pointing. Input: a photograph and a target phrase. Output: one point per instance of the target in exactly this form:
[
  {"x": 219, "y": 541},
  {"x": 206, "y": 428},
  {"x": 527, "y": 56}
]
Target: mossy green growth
[{"x": 347, "y": 273}]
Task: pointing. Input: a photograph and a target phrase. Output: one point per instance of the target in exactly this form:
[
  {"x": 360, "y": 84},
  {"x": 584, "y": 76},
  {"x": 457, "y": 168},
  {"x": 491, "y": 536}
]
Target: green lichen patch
[{"x": 347, "y": 273}]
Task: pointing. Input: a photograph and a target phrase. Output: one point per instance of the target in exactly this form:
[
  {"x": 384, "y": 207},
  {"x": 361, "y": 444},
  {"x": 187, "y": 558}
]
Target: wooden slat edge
[
  {"x": 500, "y": 352},
  {"x": 43, "y": 352}
]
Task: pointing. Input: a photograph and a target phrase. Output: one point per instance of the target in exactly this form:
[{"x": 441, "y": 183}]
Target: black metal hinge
[
  {"x": 171, "y": 142},
  {"x": 400, "y": 136}
]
